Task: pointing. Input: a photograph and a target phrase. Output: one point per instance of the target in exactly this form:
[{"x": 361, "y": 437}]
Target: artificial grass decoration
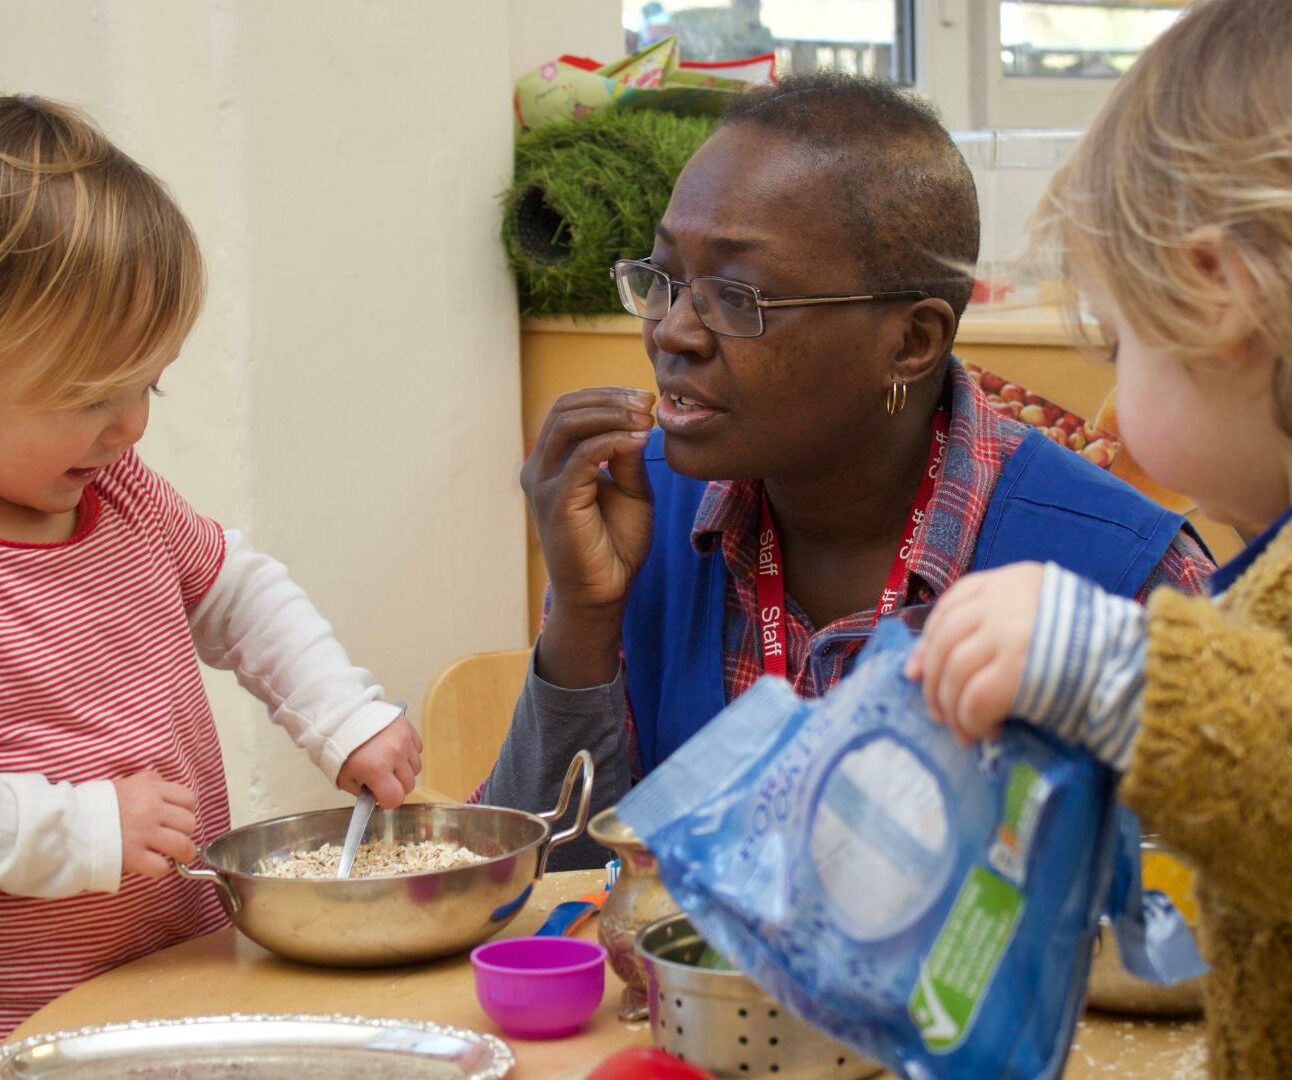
[{"x": 588, "y": 192}]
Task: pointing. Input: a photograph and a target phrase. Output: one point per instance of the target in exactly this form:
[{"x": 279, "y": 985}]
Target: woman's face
[{"x": 809, "y": 393}]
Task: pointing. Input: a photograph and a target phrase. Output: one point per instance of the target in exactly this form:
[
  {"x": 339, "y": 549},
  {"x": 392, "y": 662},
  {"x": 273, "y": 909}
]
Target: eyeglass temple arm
[
  {"x": 804, "y": 301},
  {"x": 807, "y": 301}
]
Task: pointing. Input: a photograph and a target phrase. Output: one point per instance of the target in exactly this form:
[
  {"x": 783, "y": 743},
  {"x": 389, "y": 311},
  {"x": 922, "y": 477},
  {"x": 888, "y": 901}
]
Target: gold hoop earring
[{"x": 895, "y": 399}]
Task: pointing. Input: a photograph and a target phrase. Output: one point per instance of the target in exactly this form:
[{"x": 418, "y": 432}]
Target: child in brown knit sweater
[{"x": 1174, "y": 219}]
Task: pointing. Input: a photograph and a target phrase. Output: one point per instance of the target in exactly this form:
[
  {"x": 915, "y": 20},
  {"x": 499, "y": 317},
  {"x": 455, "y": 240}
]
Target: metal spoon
[
  {"x": 363, "y": 808},
  {"x": 358, "y": 826}
]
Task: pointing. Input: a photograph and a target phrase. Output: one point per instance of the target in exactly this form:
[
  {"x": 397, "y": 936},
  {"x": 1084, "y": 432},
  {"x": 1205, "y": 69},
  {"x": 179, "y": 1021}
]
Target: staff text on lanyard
[{"x": 770, "y": 570}]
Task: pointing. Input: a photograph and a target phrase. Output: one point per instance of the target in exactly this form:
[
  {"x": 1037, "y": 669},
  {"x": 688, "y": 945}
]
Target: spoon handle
[
  {"x": 363, "y": 808},
  {"x": 358, "y": 824}
]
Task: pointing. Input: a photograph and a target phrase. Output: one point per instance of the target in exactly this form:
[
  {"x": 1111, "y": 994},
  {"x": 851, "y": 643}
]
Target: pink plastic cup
[{"x": 540, "y": 987}]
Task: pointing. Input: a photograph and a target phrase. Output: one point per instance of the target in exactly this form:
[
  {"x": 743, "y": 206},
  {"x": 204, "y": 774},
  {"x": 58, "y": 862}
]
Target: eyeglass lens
[{"x": 725, "y": 307}]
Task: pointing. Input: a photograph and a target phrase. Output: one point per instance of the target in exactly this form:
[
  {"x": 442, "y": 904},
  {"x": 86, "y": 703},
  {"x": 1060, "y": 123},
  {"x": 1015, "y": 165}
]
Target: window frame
[
  {"x": 1026, "y": 101},
  {"x": 905, "y": 56}
]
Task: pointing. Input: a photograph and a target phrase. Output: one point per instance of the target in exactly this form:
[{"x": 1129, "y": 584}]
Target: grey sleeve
[{"x": 549, "y": 726}]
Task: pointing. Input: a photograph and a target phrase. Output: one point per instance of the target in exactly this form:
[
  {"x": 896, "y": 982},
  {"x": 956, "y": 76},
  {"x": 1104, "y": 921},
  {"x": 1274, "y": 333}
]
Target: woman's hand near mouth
[{"x": 594, "y": 524}]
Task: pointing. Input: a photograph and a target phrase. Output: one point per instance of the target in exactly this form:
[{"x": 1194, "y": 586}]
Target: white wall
[
  {"x": 351, "y": 395},
  {"x": 542, "y": 30}
]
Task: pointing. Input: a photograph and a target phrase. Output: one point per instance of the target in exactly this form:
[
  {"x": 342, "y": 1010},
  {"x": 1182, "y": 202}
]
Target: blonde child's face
[
  {"x": 1207, "y": 430},
  {"x": 48, "y": 456}
]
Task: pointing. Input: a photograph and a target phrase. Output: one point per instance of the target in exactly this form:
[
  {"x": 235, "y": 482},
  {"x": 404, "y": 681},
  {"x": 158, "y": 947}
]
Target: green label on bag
[
  {"x": 1026, "y": 794},
  {"x": 1020, "y": 797},
  {"x": 965, "y": 956}
]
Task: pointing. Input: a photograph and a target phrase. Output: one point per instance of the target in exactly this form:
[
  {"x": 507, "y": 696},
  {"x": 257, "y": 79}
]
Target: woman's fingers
[
  {"x": 628, "y": 471},
  {"x": 584, "y": 466},
  {"x": 582, "y": 415},
  {"x": 590, "y": 523}
]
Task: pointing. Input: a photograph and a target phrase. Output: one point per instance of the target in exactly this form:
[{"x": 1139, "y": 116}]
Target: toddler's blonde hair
[
  {"x": 100, "y": 273},
  {"x": 1197, "y": 136}
]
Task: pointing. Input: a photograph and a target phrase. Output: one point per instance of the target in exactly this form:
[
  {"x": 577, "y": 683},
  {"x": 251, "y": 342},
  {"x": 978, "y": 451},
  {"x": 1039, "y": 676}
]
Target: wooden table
[{"x": 224, "y": 972}]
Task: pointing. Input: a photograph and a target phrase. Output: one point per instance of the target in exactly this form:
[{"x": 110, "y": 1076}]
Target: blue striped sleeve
[{"x": 1084, "y": 678}]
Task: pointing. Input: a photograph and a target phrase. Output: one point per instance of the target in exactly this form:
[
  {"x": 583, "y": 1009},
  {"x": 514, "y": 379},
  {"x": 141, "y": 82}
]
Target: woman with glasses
[{"x": 820, "y": 457}]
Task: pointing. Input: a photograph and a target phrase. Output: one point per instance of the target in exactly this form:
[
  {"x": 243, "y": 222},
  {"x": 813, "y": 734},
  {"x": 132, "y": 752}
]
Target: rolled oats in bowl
[{"x": 379, "y": 858}]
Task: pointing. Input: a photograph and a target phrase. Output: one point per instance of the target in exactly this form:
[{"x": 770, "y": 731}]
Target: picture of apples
[
  {"x": 1086, "y": 437},
  {"x": 1101, "y": 452},
  {"x": 991, "y": 384},
  {"x": 1010, "y": 392}
]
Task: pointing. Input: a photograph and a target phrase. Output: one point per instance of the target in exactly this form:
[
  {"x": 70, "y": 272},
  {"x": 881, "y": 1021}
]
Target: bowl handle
[
  {"x": 227, "y": 896},
  {"x": 582, "y": 763}
]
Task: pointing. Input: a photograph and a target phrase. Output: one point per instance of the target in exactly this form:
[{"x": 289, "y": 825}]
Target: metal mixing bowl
[
  {"x": 1112, "y": 987},
  {"x": 398, "y": 919},
  {"x": 722, "y": 1022}
]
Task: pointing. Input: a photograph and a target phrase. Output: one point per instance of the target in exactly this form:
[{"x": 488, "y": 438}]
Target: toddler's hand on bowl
[
  {"x": 156, "y": 824},
  {"x": 387, "y": 764}
]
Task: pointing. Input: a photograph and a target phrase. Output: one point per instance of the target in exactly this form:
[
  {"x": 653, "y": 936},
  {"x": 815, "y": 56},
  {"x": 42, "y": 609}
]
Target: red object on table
[{"x": 645, "y": 1063}]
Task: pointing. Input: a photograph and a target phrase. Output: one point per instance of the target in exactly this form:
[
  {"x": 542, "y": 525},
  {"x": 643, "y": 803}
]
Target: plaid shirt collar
[{"x": 980, "y": 442}]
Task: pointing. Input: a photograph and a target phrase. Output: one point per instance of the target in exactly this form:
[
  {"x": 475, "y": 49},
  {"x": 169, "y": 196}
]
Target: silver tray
[{"x": 259, "y": 1047}]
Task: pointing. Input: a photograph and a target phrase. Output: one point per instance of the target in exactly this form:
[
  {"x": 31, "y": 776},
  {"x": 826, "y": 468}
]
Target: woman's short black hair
[{"x": 905, "y": 192}]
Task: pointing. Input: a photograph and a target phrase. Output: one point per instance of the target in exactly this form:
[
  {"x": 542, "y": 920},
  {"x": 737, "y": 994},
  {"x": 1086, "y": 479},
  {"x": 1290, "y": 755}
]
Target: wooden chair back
[{"x": 465, "y": 717}]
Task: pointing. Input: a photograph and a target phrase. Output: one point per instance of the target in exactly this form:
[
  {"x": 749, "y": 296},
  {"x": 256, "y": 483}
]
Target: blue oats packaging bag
[{"x": 932, "y": 905}]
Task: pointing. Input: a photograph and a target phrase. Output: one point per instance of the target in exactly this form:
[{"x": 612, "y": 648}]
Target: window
[
  {"x": 1080, "y": 39},
  {"x": 865, "y": 37}
]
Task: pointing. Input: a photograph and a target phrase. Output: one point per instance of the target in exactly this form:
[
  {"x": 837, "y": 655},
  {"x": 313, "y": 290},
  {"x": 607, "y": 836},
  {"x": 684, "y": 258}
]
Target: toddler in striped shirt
[{"x": 112, "y": 586}]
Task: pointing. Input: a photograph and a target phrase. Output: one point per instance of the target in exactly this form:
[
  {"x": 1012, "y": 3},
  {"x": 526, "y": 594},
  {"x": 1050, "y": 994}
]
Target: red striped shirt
[{"x": 99, "y": 680}]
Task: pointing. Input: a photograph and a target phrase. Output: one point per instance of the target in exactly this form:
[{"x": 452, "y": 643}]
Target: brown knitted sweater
[{"x": 1212, "y": 775}]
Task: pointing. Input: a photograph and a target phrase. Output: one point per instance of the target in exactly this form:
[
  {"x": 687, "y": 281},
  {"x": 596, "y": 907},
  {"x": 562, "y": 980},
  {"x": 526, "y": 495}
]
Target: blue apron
[{"x": 1050, "y": 505}]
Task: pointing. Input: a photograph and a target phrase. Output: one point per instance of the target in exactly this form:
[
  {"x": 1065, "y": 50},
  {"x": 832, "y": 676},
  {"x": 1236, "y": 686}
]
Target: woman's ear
[{"x": 930, "y": 331}]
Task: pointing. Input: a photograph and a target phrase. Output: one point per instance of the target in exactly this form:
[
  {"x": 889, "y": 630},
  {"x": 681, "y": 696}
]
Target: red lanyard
[{"x": 770, "y": 579}]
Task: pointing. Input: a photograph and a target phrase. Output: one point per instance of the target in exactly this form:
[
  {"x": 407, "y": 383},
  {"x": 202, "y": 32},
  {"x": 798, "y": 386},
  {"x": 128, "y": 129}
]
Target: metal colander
[{"x": 722, "y": 1022}]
